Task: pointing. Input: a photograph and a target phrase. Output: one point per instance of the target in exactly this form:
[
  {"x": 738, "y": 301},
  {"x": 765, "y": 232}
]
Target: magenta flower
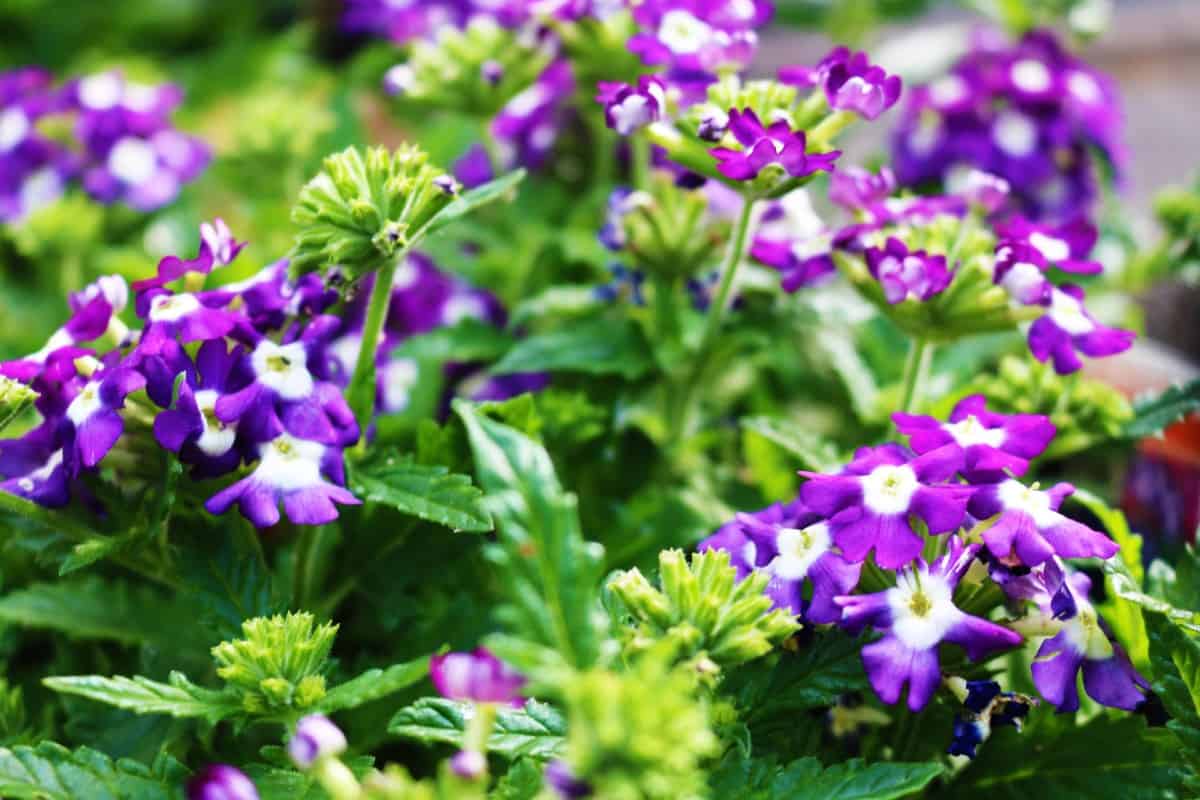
[
  {"x": 906, "y": 275},
  {"x": 92, "y": 421},
  {"x": 993, "y": 444},
  {"x": 1066, "y": 246},
  {"x": 698, "y": 36},
  {"x": 477, "y": 676},
  {"x": 1021, "y": 269},
  {"x": 629, "y": 108},
  {"x": 221, "y": 782},
  {"x": 869, "y": 504},
  {"x": 916, "y": 616},
  {"x": 1030, "y": 528},
  {"x": 858, "y": 189},
  {"x": 852, "y": 83},
  {"x": 764, "y": 146},
  {"x": 801, "y": 263},
  {"x": 1068, "y": 329}
]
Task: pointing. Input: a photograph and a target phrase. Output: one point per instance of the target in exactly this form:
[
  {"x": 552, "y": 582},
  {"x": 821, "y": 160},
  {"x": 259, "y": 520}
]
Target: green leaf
[
  {"x": 814, "y": 452},
  {"x": 179, "y": 697},
  {"x": 468, "y": 340},
  {"x": 846, "y": 361},
  {"x": 231, "y": 581},
  {"x": 806, "y": 779},
  {"x": 1110, "y": 757},
  {"x": 551, "y": 574},
  {"x": 428, "y": 492},
  {"x": 523, "y": 781},
  {"x": 374, "y": 684},
  {"x": 1175, "y": 659},
  {"x": 95, "y": 608},
  {"x": 536, "y": 731},
  {"x": 473, "y": 199},
  {"x": 49, "y": 771},
  {"x": 1152, "y": 416},
  {"x": 596, "y": 347}
]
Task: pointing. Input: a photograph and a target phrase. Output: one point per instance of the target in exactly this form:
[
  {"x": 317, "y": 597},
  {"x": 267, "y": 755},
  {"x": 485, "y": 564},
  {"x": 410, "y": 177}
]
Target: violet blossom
[
  {"x": 906, "y": 275},
  {"x": 774, "y": 145},
  {"x": 221, "y": 782},
  {"x": 315, "y": 737},
  {"x": 630, "y": 108},
  {"x": 1067, "y": 329},
  {"x": 477, "y": 676},
  {"x": 852, "y": 83},
  {"x": 697, "y": 37},
  {"x": 801, "y": 263}
]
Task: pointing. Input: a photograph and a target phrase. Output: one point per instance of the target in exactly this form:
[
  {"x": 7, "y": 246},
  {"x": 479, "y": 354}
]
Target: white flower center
[
  {"x": 139, "y": 97},
  {"x": 1051, "y": 248},
  {"x": 1068, "y": 314},
  {"x": 1085, "y": 88},
  {"x": 462, "y": 306},
  {"x": 750, "y": 553},
  {"x": 888, "y": 489},
  {"x": 926, "y": 135},
  {"x": 856, "y": 85},
  {"x": 283, "y": 369},
  {"x": 799, "y": 549},
  {"x": 527, "y": 101},
  {"x": 971, "y": 431},
  {"x": 631, "y": 113},
  {"x": 132, "y": 160},
  {"x": 1021, "y": 277},
  {"x": 346, "y": 350},
  {"x": 85, "y": 404},
  {"x": 14, "y": 126},
  {"x": 406, "y": 276},
  {"x": 218, "y": 436},
  {"x": 289, "y": 463},
  {"x": 682, "y": 32},
  {"x": 1016, "y": 496},
  {"x": 1015, "y": 134},
  {"x": 1031, "y": 75},
  {"x": 923, "y": 611},
  {"x": 399, "y": 377},
  {"x": 947, "y": 90},
  {"x": 1085, "y": 636},
  {"x": 172, "y": 307},
  {"x": 100, "y": 92},
  {"x": 40, "y": 189},
  {"x": 804, "y": 249}
]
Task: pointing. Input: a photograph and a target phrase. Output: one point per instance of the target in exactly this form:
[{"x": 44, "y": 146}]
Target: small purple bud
[
  {"x": 563, "y": 781},
  {"x": 316, "y": 737},
  {"x": 469, "y": 764},
  {"x": 221, "y": 782},
  {"x": 492, "y": 72},
  {"x": 448, "y": 184},
  {"x": 713, "y": 126},
  {"x": 477, "y": 676}
]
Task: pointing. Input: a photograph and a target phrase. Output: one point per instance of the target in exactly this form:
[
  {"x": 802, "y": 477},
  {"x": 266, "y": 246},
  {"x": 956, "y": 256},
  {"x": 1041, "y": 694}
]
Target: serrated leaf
[
  {"x": 596, "y": 347},
  {"x": 523, "y": 781},
  {"x": 231, "y": 582},
  {"x": 1151, "y": 417},
  {"x": 536, "y": 731},
  {"x": 473, "y": 199},
  {"x": 806, "y": 779},
  {"x": 431, "y": 493},
  {"x": 1175, "y": 659},
  {"x": 374, "y": 684},
  {"x": 813, "y": 451},
  {"x": 95, "y": 608},
  {"x": 179, "y": 697},
  {"x": 49, "y": 771}
]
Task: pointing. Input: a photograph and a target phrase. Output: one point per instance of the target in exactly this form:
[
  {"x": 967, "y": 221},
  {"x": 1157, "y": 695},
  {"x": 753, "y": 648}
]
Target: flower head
[
  {"x": 628, "y": 108},
  {"x": 477, "y": 676},
  {"x": 1067, "y": 329},
  {"x": 852, "y": 83},
  {"x": 1029, "y": 528},
  {"x": 760, "y": 147},
  {"x": 906, "y": 275}
]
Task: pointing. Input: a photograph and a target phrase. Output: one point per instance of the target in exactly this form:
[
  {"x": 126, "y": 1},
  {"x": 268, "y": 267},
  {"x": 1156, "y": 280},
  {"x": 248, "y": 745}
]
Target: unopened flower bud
[
  {"x": 469, "y": 764},
  {"x": 316, "y": 737},
  {"x": 221, "y": 782}
]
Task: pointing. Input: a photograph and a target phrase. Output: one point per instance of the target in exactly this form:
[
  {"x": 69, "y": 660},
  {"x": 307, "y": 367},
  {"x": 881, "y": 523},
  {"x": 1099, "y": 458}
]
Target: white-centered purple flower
[
  {"x": 221, "y": 782},
  {"x": 630, "y": 108},
  {"x": 1065, "y": 246},
  {"x": 916, "y": 616},
  {"x": 698, "y": 37},
  {"x": 191, "y": 428},
  {"x": 859, "y": 190},
  {"x": 907, "y": 275},
  {"x": 852, "y": 83},
  {"x": 869, "y": 505},
  {"x": 1029, "y": 528},
  {"x": 477, "y": 676},
  {"x": 1021, "y": 269},
  {"x": 994, "y": 445},
  {"x": 92, "y": 422},
  {"x": 291, "y": 472},
  {"x": 800, "y": 262},
  {"x": 1067, "y": 329},
  {"x": 316, "y": 737},
  {"x": 33, "y": 467},
  {"x": 774, "y": 145}
]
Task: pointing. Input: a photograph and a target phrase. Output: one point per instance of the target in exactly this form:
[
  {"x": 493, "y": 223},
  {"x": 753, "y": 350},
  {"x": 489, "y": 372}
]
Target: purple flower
[
  {"x": 764, "y": 146},
  {"x": 316, "y": 737},
  {"x": 477, "y": 676},
  {"x": 1065, "y": 246},
  {"x": 857, "y": 189},
  {"x": 1021, "y": 269},
  {"x": 1029, "y": 528},
  {"x": 1085, "y": 645},
  {"x": 906, "y": 275},
  {"x": 916, "y": 616},
  {"x": 698, "y": 37},
  {"x": 801, "y": 263},
  {"x": 92, "y": 421},
  {"x": 629, "y": 108},
  {"x": 470, "y": 765},
  {"x": 192, "y": 428},
  {"x": 221, "y": 782},
  {"x": 33, "y": 467},
  {"x": 869, "y": 505},
  {"x": 983, "y": 190},
  {"x": 993, "y": 444},
  {"x": 528, "y": 125},
  {"x": 621, "y": 202},
  {"x": 852, "y": 83},
  {"x": 563, "y": 781},
  {"x": 1067, "y": 328},
  {"x": 293, "y": 472}
]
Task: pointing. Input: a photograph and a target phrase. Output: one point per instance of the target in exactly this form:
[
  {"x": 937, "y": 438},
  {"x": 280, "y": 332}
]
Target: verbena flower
[
  {"x": 1065, "y": 246},
  {"x": 1029, "y": 526},
  {"x": 191, "y": 428},
  {"x": 92, "y": 422},
  {"x": 869, "y": 505},
  {"x": 221, "y": 782},
  {"x": 852, "y": 83},
  {"x": 906, "y": 275},
  {"x": 763, "y": 146},
  {"x": 1067, "y": 329},
  {"x": 983, "y": 707},
  {"x": 993, "y": 444},
  {"x": 698, "y": 37},
  {"x": 477, "y": 676},
  {"x": 801, "y": 263},
  {"x": 855, "y": 188},
  {"x": 916, "y": 616},
  {"x": 628, "y": 108}
]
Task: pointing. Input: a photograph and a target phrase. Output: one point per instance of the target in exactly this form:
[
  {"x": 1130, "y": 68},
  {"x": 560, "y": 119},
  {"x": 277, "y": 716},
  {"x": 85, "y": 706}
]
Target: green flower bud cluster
[
  {"x": 474, "y": 70},
  {"x": 769, "y": 100},
  {"x": 1086, "y": 412},
  {"x": 278, "y": 666},
  {"x": 972, "y": 304},
  {"x": 669, "y": 232},
  {"x": 15, "y": 399},
  {"x": 638, "y": 735},
  {"x": 702, "y": 609},
  {"x": 364, "y": 209}
]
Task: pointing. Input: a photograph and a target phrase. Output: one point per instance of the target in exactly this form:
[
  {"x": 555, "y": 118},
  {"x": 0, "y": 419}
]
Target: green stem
[
  {"x": 603, "y": 147},
  {"x": 362, "y": 383},
  {"x": 639, "y": 154},
  {"x": 666, "y": 310},
  {"x": 729, "y": 269},
  {"x": 479, "y": 729},
  {"x": 916, "y": 373},
  {"x": 312, "y": 551}
]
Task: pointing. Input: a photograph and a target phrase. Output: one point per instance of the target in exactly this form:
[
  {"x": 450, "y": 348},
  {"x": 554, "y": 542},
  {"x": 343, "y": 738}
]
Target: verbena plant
[{"x": 633, "y": 522}]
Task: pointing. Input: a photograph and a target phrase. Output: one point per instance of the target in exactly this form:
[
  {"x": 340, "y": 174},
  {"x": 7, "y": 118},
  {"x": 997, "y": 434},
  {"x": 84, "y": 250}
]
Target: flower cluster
[
  {"x": 939, "y": 517},
  {"x": 242, "y": 376},
  {"x": 1030, "y": 112},
  {"x": 111, "y": 135}
]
